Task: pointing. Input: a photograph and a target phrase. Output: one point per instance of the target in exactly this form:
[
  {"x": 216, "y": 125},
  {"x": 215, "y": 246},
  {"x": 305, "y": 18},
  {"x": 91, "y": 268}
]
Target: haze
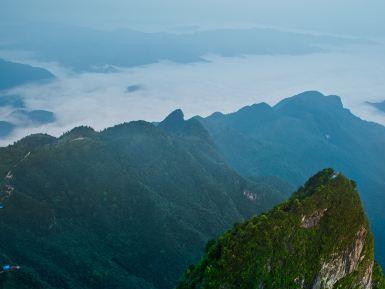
[
  {"x": 111, "y": 66},
  {"x": 348, "y": 17}
]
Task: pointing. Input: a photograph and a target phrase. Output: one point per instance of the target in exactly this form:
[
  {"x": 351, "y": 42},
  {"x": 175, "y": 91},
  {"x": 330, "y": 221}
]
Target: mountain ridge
[
  {"x": 13, "y": 74},
  {"x": 378, "y": 105},
  {"x": 319, "y": 238},
  {"x": 311, "y": 131},
  {"x": 127, "y": 207}
]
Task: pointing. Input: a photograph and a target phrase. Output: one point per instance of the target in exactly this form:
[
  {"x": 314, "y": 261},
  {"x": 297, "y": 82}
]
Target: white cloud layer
[{"x": 222, "y": 84}]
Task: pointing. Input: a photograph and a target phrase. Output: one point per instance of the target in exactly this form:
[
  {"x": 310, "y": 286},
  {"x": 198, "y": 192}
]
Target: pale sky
[
  {"x": 348, "y": 17},
  {"x": 221, "y": 84}
]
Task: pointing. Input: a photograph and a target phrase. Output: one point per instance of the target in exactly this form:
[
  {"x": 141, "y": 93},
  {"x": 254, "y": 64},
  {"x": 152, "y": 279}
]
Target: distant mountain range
[
  {"x": 38, "y": 116},
  {"x": 301, "y": 135},
  {"x": 379, "y": 105},
  {"x": 14, "y": 74},
  {"x": 72, "y": 46}
]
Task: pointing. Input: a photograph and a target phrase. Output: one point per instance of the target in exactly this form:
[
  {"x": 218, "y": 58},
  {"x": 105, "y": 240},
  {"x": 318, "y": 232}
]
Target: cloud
[{"x": 221, "y": 84}]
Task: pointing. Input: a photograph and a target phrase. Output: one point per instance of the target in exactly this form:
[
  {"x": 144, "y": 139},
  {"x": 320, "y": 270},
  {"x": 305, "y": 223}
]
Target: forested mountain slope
[
  {"x": 319, "y": 238},
  {"x": 301, "y": 135},
  {"x": 128, "y": 207}
]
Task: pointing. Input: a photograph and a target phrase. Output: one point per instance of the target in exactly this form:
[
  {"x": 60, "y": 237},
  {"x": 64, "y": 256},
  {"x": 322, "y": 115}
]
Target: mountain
[
  {"x": 379, "y": 105},
  {"x": 16, "y": 115},
  {"x": 128, "y": 207},
  {"x": 319, "y": 238},
  {"x": 38, "y": 116},
  {"x": 23, "y": 118},
  {"x": 13, "y": 74},
  {"x": 71, "y": 46},
  {"x": 301, "y": 135}
]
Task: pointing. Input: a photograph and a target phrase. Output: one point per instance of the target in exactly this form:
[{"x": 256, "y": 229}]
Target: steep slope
[
  {"x": 320, "y": 238},
  {"x": 13, "y": 74},
  {"x": 128, "y": 207},
  {"x": 301, "y": 135}
]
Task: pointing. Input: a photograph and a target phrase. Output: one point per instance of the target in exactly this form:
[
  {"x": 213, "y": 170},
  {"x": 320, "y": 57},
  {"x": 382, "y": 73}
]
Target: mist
[
  {"x": 117, "y": 61},
  {"x": 347, "y": 17},
  {"x": 221, "y": 84},
  {"x": 89, "y": 198}
]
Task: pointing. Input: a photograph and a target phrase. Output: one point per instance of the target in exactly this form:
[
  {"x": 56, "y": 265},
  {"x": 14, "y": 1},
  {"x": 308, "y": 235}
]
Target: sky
[
  {"x": 102, "y": 99},
  {"x": 347, "y": 17}
]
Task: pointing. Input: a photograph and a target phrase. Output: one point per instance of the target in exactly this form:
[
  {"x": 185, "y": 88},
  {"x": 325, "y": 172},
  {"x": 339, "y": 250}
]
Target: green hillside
[
  {"x": 319, "y": 238},
  {"x": 128, "y": 207},
  {"x": 301, "y": 135}
]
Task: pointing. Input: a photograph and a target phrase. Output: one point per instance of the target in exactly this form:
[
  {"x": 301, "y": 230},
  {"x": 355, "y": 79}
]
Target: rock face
[
  {"x": 318, "y": 239},
  {"x": 346, "y": 263},
  {"x": 312, "y": 220}
]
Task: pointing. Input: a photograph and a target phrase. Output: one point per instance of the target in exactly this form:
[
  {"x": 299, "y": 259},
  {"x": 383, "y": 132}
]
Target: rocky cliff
[{"x": 318, "y": 239}]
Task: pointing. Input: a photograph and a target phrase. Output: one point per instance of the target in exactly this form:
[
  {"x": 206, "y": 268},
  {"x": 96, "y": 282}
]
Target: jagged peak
[
  {"x": 173, "y": 122},
  {"x": 316, "y": 181},
  {"x": 321, "y": 240},
  {"x": 176, "y": 115}
]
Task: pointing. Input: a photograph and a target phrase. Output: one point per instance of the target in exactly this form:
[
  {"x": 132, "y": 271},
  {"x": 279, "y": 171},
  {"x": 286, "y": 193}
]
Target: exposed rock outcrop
[
  {"x": 345, "y": 263},
  {"x": 319, "y": 239},
  {"x": 312, "y": 220}
]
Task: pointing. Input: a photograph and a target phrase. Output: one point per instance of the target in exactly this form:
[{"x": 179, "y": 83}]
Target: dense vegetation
[
  {"x": 129, "y": 207},
  {"x": 302, "y": 135},
  {"x": 288, "y": 246}
]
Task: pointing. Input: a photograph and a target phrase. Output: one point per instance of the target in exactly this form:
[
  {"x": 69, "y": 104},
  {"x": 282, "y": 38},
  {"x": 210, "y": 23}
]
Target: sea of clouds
[{"x": 150, "y": 92}]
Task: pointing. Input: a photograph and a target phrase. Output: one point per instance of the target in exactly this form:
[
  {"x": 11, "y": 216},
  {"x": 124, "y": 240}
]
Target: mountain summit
[
  {"x": 175, "y": 124},
  {"x": 318, "y": 239},
  {"x": 301, "y": 135}
]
